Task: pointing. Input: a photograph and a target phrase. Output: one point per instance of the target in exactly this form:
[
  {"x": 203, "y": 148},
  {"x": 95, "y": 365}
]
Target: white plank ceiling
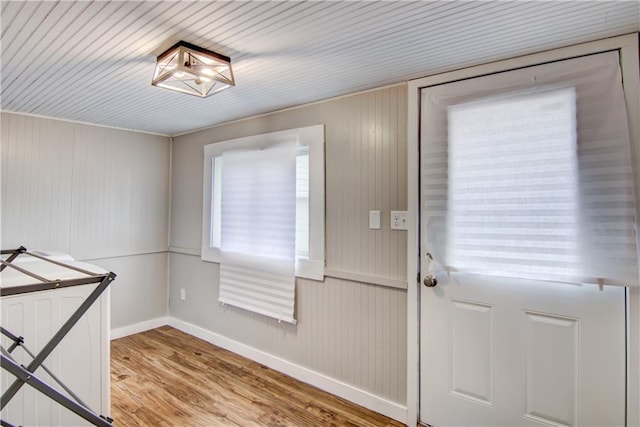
[{"x": 93, "y": 61}]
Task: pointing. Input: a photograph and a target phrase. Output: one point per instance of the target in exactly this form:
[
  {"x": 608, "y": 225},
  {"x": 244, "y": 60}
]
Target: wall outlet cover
[{"x": 399, "y": 220}]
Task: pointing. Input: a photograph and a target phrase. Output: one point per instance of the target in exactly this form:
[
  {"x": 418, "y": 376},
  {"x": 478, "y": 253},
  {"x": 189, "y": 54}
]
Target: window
[
  {"x": 302, "y": 202},
  {"x": 528, "y": 174},
  {"x": 513, "y": 181},
  {"x": 263, "y": 216},
  {"x": 309, "y": 143}
]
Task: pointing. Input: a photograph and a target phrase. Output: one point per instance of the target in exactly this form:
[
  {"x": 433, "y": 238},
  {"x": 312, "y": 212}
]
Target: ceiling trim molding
[
  {"x": 77, "y": 122},
  {"x": 295, "y": 107}
]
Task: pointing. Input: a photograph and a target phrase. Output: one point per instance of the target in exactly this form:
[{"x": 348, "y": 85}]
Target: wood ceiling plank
[
  {"x": 93, "y": 54},
  {"x": 28, "y": 13},
  {"x": 284, "y": 53},
  {"x": 123, "y": 67},
  {"x": 76, "y": 43},
  {"x": 10, "y": 11},
  {"x": 40, "y": 25},
  {"x": 39, "y": 44}
]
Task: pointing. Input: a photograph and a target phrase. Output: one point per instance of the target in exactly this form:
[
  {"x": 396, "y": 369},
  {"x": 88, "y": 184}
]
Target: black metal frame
[{"x": 25, "y": 375}]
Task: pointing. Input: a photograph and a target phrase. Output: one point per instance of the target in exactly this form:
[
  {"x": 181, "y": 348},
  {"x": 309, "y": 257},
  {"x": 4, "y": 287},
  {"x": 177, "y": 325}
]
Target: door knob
[{"x": 430, "y": 281}]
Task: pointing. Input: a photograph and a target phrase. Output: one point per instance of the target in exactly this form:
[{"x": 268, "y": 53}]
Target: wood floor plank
[{"x": 165, "y": 377}]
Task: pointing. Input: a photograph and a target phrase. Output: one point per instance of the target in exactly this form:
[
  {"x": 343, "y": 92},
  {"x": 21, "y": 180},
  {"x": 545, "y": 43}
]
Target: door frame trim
[{"x": 629, "y": 59}]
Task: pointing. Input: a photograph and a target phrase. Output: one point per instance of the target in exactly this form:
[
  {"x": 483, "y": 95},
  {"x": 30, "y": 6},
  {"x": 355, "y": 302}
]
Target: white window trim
[{"x": 310, "y": 136}]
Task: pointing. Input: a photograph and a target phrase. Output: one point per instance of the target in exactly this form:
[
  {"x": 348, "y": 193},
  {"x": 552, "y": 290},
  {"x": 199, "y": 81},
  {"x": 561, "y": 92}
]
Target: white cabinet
[{"x": 81, "y": 360}]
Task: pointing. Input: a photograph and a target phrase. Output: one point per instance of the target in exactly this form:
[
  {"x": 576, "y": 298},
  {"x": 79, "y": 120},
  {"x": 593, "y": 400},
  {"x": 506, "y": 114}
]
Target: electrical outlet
[
  {"x": 183, "y": 294},
  {"x": 399, "y": 220}
]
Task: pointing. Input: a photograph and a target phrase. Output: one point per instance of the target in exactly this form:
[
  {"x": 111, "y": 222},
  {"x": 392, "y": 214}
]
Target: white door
[
  {"x": 522, "y": 187},
  {"x": 511, "y": 352}
]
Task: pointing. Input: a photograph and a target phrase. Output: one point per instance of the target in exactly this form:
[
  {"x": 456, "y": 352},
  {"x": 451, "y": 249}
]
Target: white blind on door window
[
  {"x": 258, "y": 230},
  {"x": 513, "y": 181},
  {"x": 528, "y": 174}
]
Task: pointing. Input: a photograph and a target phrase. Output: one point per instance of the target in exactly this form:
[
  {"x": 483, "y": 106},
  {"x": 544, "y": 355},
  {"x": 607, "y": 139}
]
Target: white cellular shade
[
  {"x": 302, "y": 202},
  {"x": 259, "y": 291},
  {"x": 302, "y": 212},
  {"x": 270, "y": 221},
  {"x": 527, "y": 174},
  {"x": 258, "y": 230},
  {"x": 258, "y": 202}
]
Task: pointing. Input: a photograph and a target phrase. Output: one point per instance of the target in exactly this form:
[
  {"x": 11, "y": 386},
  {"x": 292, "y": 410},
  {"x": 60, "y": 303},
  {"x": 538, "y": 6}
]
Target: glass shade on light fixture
[{"x": 191, "y": 69}]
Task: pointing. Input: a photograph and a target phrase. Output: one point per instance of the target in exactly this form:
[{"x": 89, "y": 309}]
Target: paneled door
[
  {"x": 506, "y": 352},
  {"x": 527, "y": 218}
]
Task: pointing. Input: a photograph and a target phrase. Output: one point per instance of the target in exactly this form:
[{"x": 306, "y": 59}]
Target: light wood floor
[{"x": 164, "y": 377}]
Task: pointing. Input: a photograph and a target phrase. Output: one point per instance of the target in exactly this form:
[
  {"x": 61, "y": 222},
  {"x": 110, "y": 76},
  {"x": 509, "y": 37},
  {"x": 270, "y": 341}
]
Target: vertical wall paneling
[
  {"x": 122, "y": 187},
  {"x": 186, "y": 196},
  {"x": 139, "y": 293},
  {"x": 97, "y": 193},
  {"x": 354, "y": 332},
  {"x": 36, "y": 182},
  {"x": 359, "y": 177}
]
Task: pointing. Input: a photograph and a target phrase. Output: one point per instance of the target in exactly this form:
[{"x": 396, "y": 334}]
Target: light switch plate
[
  {"x": 399, "y": 220},
  {"x": 374, "y": 220}
]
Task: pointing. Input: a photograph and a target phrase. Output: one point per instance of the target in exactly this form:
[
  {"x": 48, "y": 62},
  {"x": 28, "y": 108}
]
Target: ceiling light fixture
[{"x": 187, "y": 68}]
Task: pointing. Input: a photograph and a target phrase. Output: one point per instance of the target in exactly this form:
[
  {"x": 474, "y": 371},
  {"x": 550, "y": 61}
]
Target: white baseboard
[
  {"x": 139, "y": 327},
  {"x": 363, "y": 398}
]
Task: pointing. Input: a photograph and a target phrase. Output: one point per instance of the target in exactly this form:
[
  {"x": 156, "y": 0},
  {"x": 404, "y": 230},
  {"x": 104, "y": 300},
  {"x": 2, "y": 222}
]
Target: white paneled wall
[
  {"x": 120, "y": 193},
  {"x": 37, "y": 171},
  {"x": 96, "y": 193},
  {"x": 139, "y": 293},
  {"x": 366, "y": 158},
  {"x": 351, "y": 331}
]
